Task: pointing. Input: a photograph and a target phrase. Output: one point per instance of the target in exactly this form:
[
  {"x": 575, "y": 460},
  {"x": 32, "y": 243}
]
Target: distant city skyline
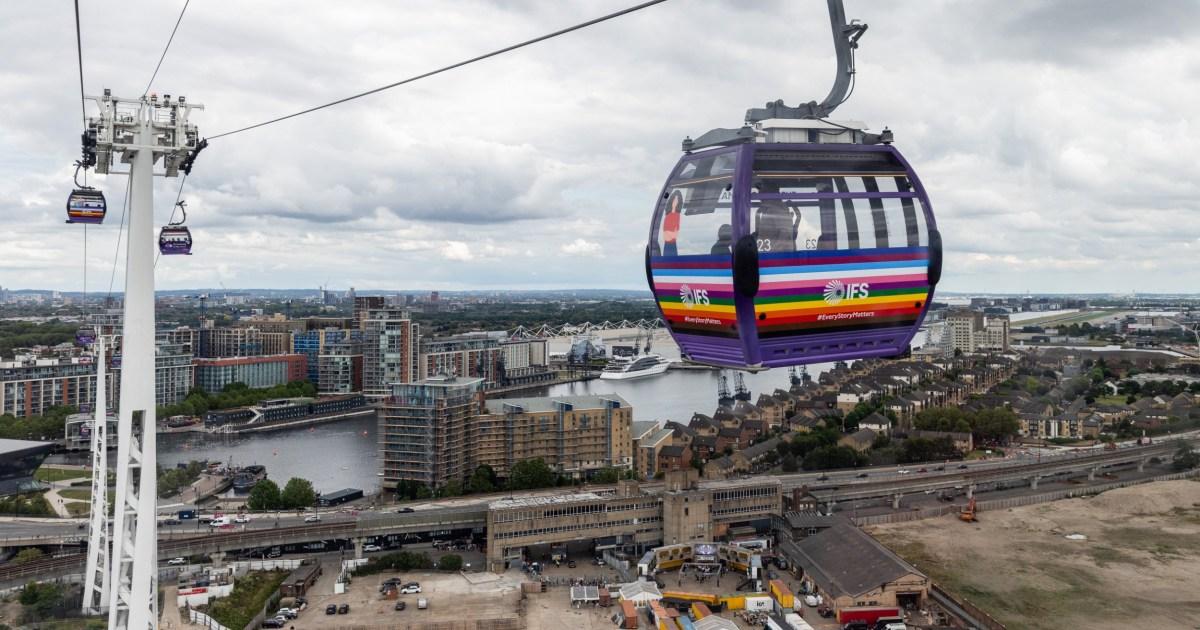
[{"x": 1056, "y": 163}]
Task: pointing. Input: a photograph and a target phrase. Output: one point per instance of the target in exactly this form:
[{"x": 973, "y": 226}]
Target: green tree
[
  {"x": 531, "y": 473},
  {"x": 453, "y": 488},
  {"x": 829, "y": 457},
  {"x": 297, "y": 494},
  {"x": 28, "y": 554},
  {"x": 789, "y": 463},
  {"x": 482, "y": 480},
  {"x": 40, "y": 600},
  {"x": 423, "y": 492},
  {"x": 1186, "y": 457},
  {"x": 450, "y": 562},
  {"x": 606, "y": 475},
  {"x": 264, "y": 496}
]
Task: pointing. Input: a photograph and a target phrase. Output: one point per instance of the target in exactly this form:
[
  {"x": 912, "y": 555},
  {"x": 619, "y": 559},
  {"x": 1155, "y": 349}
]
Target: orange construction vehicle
[{"x": 967, "y": 514}]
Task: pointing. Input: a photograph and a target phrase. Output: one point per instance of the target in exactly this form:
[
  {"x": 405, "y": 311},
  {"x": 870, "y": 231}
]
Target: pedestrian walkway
[{"x": 169, "y": 617}]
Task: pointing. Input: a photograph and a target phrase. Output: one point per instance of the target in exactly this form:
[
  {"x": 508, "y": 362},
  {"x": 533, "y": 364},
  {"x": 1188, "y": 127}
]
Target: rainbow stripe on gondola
[
  {"x": 695, "y": 293},
  {"x": 840, "y": 290}
]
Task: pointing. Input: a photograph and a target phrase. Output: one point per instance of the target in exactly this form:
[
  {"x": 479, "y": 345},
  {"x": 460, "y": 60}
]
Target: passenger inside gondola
[{"x": 724, "y": 241}]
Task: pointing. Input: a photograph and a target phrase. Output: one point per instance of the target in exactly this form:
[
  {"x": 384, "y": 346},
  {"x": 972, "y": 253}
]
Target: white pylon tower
[
  {"x": 139, "y": 131},
  {"x": 95, "y": 579}
]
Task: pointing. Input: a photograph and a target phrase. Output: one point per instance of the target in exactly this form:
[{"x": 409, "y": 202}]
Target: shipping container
[
  {"x": 685, "y": 623},
  {"x": 692, "y": 597},
  {"x": 782, "y": 594},
  {"x": 760, "y": 603},
  {"x": 629, "y": 619},
  {"x": 734, "y": 602},
  {"x": 869, "y": 614},
  {"x": 796, "y": 622},
  {"x": 700, "y": 611}
]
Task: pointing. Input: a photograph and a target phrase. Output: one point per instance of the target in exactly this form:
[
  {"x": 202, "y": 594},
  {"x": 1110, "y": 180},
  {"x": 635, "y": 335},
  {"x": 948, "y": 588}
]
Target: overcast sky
[{"x": 1057, "y": 140}]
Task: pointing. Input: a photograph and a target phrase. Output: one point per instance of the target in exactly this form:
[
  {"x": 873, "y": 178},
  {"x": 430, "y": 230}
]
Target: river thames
[{"x": 344, "y": 454}]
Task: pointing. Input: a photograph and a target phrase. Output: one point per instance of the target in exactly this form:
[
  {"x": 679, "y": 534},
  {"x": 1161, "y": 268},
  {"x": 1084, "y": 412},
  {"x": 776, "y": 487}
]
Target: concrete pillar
[
  {"x": 896, "y": 501},
  {"x": 218, "y": 559},
  {"x": 1033, "y": 483},
  {"x": 1142, "y": 464},
  {"x": 971, "y": 491},
  {"x": 1092, "y": 473},
  {"x": 358, "y": 548}
]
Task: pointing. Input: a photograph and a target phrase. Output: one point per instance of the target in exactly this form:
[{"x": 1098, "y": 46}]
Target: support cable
[
  {"x": 466, "y": 62},
  {"x": 165, "y": 48}
]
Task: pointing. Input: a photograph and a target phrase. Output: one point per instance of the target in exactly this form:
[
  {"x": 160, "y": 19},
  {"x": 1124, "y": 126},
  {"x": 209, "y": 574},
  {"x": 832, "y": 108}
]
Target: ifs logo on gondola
[
  {"x": 836, "y": 291},
  {"x": 691, "y": 297}
]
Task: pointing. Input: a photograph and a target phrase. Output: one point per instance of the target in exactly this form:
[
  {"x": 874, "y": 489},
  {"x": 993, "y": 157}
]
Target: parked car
[
  {"x": 422, "y": 603},
  {"x": 410, "y": 588},
  {"x": 857, "y": 625},
  {"x": 287, "y": 613},
  {"x": 312, "y": 518},
  {"x": 401, "y": 605},
  {"x": 273, "y": 623},
  {"x": 343, "y": 609},
  {"x": 331, "y": 609},
  {"x": 570, "y": 564},
  {"x": 370, "y": 548},
  {"x": 598, "y": 562},
  {"x": 177, "y": 561}
]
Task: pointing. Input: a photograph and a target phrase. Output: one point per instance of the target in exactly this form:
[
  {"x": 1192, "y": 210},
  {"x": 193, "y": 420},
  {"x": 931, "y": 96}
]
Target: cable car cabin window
[
  {"x": 694, "y": 216},
  {"x": 789, "y": 226}
]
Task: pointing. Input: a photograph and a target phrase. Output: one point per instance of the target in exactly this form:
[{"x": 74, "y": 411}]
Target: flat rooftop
[
  {"x": 528, "y": 502},
  {"x": 548, "y": 403}
]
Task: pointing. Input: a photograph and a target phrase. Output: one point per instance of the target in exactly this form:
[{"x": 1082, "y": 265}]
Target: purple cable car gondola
[
  {"x": 175, "y": 238},
  {"x": 86, "y": 205},
  {"x": 794, "y": 241},
  {"x": 85, "y": 336}
]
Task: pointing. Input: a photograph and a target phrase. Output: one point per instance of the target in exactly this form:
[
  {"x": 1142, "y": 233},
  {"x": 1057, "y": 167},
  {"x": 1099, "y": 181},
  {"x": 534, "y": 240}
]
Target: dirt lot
[
  {"x": 452, "y": 597},
  {"x": 1139, "y": 561}
]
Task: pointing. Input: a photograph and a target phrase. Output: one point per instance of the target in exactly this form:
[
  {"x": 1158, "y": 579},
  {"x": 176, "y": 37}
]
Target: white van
[
  {"x": 422, "y": 603},
  {"x": 220, "y": 521}
]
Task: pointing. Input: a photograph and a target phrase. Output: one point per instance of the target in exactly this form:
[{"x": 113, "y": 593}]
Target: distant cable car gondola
[
  {"x": 175, "y": 238},
  {"x": 795, "y": 241},
  {"x": 85, "y": 336}
]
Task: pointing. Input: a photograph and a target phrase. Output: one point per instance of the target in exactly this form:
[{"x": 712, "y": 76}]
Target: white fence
[{"x": 201, "y": 619}]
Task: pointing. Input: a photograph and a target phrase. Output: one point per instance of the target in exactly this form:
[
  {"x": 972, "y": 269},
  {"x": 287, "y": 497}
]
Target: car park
[{"x": 331, "y": 609}]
